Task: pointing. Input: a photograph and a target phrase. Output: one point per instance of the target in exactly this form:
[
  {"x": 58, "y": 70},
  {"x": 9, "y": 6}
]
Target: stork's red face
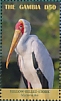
[
  {"x": 20, "y": 26},
  {"x": 19, "y": 30}
]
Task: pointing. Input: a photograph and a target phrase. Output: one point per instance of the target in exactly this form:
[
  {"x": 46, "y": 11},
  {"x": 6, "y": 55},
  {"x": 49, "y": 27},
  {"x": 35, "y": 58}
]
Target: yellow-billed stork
[{"x": 34, "y": 60}]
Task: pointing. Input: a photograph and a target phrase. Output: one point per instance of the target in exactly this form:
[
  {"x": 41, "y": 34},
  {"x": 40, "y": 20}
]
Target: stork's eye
[{"x": 20, "y": 26}]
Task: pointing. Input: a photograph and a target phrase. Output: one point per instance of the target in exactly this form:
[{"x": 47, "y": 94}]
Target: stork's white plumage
[{"x": 34, "y": 60}]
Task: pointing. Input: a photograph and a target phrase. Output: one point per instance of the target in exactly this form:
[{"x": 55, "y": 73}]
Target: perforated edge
[
  {"x": 1, "y": 51},
  {"x": 35, "y": 0},
  {"x": 0, "y": 43},
  {"x": 26, "y": 100},
  {"x": 60, "y": 59}
]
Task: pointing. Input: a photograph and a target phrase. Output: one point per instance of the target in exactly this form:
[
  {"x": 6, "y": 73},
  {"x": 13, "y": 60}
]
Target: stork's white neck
[
  {"x": 27, "y": 30},
  {"x": 21, "y": 46}
]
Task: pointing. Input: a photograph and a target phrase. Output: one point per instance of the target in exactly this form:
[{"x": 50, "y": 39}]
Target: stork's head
[{"x": 21, "y": 27}]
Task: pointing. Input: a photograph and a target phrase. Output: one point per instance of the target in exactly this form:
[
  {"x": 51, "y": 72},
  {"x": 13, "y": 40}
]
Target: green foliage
[
  {"x": 49, "y": 33},
  {"x": 56, "y": 79}
]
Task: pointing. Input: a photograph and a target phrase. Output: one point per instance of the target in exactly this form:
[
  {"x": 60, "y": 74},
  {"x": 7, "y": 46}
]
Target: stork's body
[
  {"x": 34, "y": 45},
  {"x": 34, "y": 60}
]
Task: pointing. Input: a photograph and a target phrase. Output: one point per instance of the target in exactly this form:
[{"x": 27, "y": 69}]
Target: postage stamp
[{"x": 29, "y": 50}]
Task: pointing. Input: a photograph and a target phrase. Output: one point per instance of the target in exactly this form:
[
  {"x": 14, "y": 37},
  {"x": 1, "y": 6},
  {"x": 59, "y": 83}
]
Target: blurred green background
[{"x": 44, "y": 23}]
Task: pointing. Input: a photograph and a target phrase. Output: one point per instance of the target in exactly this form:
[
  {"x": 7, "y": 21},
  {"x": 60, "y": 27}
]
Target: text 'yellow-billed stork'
[{"x": 34, "y": 60}]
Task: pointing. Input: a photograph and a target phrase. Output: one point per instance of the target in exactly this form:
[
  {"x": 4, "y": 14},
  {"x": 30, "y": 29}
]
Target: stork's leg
[
  {"x": 27, "y": 83},
  {"x": 29, "y": 87}
]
